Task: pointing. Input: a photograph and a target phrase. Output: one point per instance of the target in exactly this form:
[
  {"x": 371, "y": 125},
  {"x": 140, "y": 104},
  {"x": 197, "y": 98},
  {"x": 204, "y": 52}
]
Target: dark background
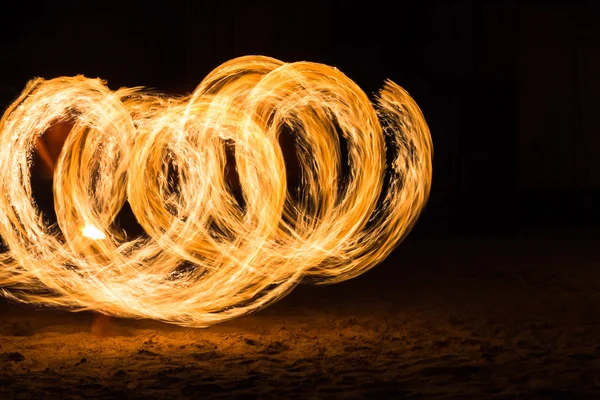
[{"x": 510, "y": 89}]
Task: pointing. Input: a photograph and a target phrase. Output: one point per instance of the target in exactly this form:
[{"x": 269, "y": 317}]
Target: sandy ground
[{"x": 461, "y": 318}]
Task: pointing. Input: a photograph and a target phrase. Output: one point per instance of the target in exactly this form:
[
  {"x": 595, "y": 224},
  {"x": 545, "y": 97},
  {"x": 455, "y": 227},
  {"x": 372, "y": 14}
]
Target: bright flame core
[
  {"x": 90, "y": 231},
  {"x": 206, "y": 258}
]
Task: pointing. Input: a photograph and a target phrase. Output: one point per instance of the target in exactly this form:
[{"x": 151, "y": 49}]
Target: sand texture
[{"x": 444, "y": 318}]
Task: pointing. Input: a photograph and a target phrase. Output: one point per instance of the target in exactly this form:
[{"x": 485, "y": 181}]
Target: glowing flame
[
  {"x": 208, "y": 255},
  {"x": 90, "y": 231}
]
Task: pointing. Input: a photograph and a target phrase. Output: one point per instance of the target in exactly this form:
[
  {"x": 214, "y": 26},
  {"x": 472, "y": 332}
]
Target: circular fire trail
[{"x": 210, "y": 252}]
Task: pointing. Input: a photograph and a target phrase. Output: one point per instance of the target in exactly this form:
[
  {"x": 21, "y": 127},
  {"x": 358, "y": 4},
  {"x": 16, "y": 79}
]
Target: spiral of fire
[{"x": 208, "y": 253}]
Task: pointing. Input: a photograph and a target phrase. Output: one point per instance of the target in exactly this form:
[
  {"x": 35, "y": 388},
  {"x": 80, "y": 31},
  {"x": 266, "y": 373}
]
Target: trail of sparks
[{"x": 206, "y": 256}]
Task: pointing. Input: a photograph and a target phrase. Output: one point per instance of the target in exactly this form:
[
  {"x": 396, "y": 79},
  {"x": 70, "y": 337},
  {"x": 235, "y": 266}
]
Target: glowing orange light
[
  {"x": 90, "y": 231},
  {"x": 207, "y": 257}
]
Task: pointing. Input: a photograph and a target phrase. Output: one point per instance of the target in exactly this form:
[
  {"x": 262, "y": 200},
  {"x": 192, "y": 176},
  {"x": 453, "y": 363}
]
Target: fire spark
[{"x": 207, "y": 255}]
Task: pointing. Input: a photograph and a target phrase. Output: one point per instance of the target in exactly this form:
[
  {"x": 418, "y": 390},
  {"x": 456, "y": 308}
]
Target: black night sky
[
  {"x": 511, "y": 92},
  {"x": 509, "y": 89}
]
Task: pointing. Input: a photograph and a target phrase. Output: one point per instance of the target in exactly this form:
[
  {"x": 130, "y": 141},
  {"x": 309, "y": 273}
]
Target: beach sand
[{"x": 514, "y": 317}]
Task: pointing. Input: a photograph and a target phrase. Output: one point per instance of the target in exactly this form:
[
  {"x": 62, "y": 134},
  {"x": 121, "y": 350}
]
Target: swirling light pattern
[{"x": 208, "y": 254}]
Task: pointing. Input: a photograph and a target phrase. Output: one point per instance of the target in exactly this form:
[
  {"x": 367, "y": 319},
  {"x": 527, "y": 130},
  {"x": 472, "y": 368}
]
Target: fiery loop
[{"x": 206, "y": 257}]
